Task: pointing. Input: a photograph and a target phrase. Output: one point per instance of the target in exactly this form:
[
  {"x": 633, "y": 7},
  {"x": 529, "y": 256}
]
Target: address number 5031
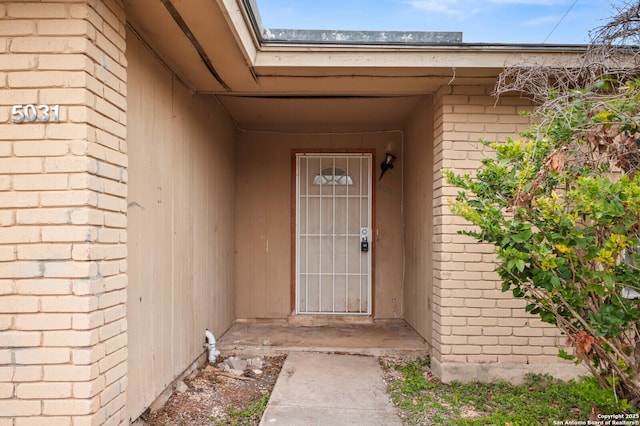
[{"x": 31, "y": 112}]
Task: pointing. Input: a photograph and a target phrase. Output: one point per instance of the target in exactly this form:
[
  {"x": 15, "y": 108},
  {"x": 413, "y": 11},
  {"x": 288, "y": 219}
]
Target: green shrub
[{"x": 562, "y": 208}]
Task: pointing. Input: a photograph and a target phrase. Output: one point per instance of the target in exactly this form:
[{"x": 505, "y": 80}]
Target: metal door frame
[{"x": 295, "y": 228}]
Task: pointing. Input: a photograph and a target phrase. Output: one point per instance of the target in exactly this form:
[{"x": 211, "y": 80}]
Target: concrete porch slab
[{"x": 378, "y": 338}]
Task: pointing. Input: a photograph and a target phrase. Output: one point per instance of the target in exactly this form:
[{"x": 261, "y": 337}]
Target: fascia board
[{"x": 413, "y": 58}]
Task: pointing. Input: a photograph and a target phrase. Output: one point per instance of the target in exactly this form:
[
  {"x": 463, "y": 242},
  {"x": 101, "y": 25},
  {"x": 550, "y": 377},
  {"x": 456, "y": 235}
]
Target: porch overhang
[{"x": 219, "y": 47}]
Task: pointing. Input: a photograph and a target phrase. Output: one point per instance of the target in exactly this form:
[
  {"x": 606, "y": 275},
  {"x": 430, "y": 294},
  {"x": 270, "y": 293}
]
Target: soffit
[
  {"x": 151, "y": 21},
  {"x": 193, "y": 38},
  {"x": 370, "y": 80}
]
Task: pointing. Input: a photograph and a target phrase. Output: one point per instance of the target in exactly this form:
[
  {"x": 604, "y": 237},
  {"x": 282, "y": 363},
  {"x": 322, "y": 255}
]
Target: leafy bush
[
  {"x": 589, "y": 389},
  {"x": 562, "y": 207}
]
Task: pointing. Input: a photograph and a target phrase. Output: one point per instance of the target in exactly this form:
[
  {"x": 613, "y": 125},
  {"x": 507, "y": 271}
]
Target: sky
[{"x": 480, "y": 21}]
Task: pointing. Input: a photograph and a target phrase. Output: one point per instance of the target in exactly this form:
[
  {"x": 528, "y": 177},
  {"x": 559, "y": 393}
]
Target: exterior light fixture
[{"x": 387, "y": 163}]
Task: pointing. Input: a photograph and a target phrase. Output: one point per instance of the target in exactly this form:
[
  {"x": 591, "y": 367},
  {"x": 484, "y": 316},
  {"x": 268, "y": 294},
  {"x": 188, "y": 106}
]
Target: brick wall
[
  {"x": 63, "y": 214},
  {"x": 478, "y": 331}
]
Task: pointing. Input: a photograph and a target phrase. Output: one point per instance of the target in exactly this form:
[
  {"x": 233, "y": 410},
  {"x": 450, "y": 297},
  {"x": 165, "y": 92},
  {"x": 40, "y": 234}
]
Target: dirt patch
[{"x": 214, "y": 397}]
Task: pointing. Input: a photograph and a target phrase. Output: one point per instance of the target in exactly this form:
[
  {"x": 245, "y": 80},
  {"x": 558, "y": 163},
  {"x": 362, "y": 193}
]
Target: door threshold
[{"x": 323, "y": 320}]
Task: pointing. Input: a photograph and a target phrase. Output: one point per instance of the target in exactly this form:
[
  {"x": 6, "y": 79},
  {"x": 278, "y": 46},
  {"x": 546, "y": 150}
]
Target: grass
[
  {"x": 541, "y": 399},
  {"x": 250, "y": 415}
]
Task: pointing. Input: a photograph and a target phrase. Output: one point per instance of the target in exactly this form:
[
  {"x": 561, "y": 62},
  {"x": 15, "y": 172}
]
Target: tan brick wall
[
  {"x": 63, "y": 214},
  {"x": 478, "y": 331}
]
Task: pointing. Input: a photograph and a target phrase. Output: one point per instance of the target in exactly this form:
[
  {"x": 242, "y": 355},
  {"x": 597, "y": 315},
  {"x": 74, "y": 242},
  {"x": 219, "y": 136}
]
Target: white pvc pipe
[{"x": 211, "y": 340}]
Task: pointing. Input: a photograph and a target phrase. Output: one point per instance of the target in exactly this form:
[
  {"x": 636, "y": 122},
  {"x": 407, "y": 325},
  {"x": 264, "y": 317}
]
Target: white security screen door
[{"x": 333, "y": 234}]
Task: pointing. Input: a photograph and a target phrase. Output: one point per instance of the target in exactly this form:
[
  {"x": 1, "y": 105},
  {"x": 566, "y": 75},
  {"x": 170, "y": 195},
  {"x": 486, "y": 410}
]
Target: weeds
[
  {"x": 249, "y": 416},
  {"x": 541, "y": 399}
]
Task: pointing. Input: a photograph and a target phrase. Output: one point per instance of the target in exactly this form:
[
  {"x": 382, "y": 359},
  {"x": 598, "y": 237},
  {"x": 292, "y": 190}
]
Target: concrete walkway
[{"x": 332, "y": 390}]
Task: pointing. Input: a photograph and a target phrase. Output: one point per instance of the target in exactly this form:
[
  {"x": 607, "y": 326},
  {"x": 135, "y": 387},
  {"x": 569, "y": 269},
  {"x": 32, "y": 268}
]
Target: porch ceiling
[
  {"x": 319, "y": 113},
  {"x": 212, "y": 47}
]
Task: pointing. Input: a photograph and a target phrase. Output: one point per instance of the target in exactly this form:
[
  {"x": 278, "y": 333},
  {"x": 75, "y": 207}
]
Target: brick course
[
  {"x": 490, "y": 326},
  {"x": 63, "y": 213}
]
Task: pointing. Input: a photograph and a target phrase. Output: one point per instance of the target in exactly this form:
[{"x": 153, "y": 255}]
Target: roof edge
[
  {"x": 360, "y": 37},
  {"x": 467, "y": 47},
  {"x": 418, "y": 40},
  {"x": 253, "y": 13}
]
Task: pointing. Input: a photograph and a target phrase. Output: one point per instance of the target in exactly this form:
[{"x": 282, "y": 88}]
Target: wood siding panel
[
  {"x": 180, "y": 224},
  {"x": 418, "y": 214}
]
